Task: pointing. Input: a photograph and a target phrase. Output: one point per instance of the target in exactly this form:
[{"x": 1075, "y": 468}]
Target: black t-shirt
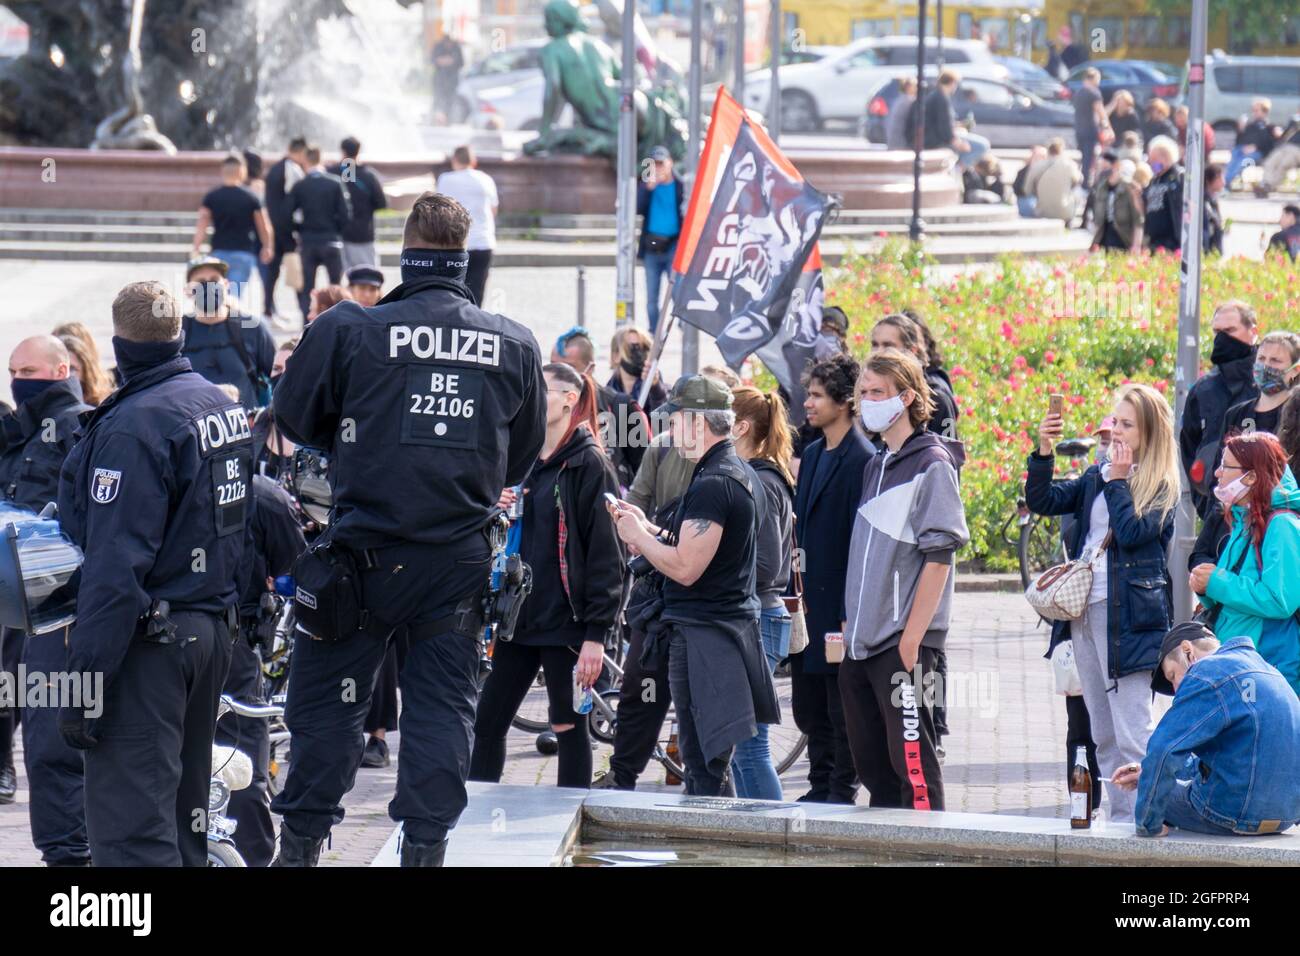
[
  {"x": 232, "y": 209},
  {"x": 1085, "y": 99},
  {"x": 726, "y": 589}
]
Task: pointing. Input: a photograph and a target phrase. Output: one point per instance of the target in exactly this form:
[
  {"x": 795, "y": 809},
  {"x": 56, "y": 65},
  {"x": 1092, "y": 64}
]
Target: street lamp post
[
  {"x": 1189, "y": 299},
  {"x": 916, "y": 228},
  {"x": 625, "y": 304},
  {"x": 738, "y": 79},
  {"x": 774, "y": 76}
]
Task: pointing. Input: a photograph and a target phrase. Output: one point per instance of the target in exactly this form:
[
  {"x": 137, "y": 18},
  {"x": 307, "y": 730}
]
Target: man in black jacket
[
  {"x": 429, "y": 406},
  {"x": 35, "y": 438},
  {"x": 1163, "y": 196},
  {"x": 280, "y": 180},
  {"x": 1231, "y": 380},
  {"x": 366, "y": 195},
  {"x": 322, "y": 199}
]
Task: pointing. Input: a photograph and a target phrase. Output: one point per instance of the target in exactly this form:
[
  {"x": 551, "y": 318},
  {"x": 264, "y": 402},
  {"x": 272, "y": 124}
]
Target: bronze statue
[
  {"x": 131, "y": 127},
  {"x": 582, "y": 71}
]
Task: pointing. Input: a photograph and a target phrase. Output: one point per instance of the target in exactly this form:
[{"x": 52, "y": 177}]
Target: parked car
[
  {"x": 1034, "y": 78},
  {"x": 1145, "y": 79},
  {"x": 498, "y": 71},
  {"x": 1233, "y": 82},
  {"x": 837, "y": 87},
  {"x": 1008, "y": 115}
]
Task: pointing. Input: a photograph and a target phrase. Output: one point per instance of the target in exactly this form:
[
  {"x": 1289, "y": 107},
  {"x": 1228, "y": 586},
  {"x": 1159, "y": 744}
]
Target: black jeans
[
  {"x": 480, "y": 261},
  {"x": 891, "y": 730},
  {"x": 514, "y": 667},
  {"x": 250, "y": 808},
  {"x": 643, "y": 702},
  {"x": 329, "y": 255},
  {"x": 11, "y": 652},
  {"x": 55, "y": 771},
  {"x": 147, "y": 778},
  {"x": 704, "y": 777},
  {"x": 1078, "y": 733},
  {"x": 819, "y": 713},
  {"x": 412, "y": 586}
]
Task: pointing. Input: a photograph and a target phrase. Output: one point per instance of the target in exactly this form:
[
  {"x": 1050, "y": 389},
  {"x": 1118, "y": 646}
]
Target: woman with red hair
[
  {"x": 577, "y": 562},
  {"x": 1254, "y": 589}
]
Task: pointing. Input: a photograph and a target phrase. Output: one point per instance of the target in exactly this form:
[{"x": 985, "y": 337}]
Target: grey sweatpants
[
  {"x": 359, "y": 254},
  {"x": 1120, "y": 711}
]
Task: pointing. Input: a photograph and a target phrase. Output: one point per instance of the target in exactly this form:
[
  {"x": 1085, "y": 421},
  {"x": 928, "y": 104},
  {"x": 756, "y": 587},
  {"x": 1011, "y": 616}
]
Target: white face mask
[
  {"x": 878, "y": 416},
  {"x": 1230, "y": 492}
]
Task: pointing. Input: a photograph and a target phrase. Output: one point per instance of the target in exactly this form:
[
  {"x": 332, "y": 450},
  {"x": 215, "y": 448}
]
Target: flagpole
[
  {"x": 661, "y": 336},
  {"x": 774, "y": 76}
]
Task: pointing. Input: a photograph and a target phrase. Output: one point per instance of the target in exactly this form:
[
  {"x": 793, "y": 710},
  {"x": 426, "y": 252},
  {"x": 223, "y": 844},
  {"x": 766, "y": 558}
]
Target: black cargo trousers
[
  {"x": 412, "y": 589},
  {"x": 147, "y": 777}
]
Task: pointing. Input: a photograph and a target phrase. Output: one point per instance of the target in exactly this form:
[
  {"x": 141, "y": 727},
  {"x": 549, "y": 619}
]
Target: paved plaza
[{"x": 1006, "y": 753}]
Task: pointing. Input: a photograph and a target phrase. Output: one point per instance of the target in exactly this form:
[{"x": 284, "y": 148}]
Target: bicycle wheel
[
  {"x": 784, "y": 739},
  {"x": 1040, "y": 547}
]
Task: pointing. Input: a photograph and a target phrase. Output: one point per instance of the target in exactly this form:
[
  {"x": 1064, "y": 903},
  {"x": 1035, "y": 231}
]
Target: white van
[{"x": 1233, "y": 82}]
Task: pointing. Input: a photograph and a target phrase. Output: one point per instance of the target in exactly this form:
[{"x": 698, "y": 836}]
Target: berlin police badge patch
[{"x": 104, "y": 484}]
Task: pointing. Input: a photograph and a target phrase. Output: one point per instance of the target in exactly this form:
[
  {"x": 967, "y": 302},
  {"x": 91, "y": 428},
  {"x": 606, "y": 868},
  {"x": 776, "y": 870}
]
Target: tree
[{"x": 1259, "y": 21}]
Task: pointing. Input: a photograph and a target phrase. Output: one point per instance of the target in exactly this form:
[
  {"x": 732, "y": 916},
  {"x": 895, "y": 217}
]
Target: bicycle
[{"x": 1039, "y": 541}]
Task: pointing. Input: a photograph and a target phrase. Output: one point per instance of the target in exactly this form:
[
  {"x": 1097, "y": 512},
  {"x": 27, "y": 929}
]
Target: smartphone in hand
[{"x": 1056, "y": 405}]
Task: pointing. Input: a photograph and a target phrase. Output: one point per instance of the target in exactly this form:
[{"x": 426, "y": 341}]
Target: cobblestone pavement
[{"x": 1006, "y": 752}]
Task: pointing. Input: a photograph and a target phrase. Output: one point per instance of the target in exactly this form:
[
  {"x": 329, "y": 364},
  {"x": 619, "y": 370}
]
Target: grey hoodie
[{"x": 911, "y": 515}]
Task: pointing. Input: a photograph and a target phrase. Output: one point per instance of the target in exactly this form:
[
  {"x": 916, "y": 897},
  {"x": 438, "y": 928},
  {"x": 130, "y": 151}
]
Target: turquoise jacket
[{"x": 1261, "y": 599}]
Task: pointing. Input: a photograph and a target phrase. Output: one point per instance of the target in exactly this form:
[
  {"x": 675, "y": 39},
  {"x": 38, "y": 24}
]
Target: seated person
[{"x": 1225, "y": 759}]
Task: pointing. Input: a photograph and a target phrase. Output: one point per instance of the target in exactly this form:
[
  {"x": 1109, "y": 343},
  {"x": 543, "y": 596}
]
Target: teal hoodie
[{"x": 1259, "y": 602}]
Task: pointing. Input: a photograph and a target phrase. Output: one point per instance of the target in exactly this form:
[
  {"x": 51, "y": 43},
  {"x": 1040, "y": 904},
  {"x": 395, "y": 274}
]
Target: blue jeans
[
  {"x": 1180, "y": 813},
  {"x": 1237, "y": 163},
  {"x": 241, "y": 269},
  {"x": 979, "y": 145},
  {"x": 657, "y": 265},
  {"x": 751, "y": 767},
  {"x": 1028, "y": 206}
]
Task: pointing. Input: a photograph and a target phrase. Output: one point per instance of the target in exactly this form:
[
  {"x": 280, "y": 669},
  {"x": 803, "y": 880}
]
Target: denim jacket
[
  {"x": 1139, "y": 608},
  {"x": 1236, "y": 719}
]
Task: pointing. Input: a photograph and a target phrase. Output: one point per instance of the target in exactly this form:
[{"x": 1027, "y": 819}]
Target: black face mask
[
  {"x": 209, "y": 297},
  {"x": 1228, "y": 349},
  {"x": 634, "y": 364},
  {"x": 443, "y": 263}
]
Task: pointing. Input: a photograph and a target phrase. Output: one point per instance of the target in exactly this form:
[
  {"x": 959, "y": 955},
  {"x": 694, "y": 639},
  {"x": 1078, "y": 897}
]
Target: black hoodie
[
  {"x": 775, "y": 535},
  {"x": 577, "y": 589}
]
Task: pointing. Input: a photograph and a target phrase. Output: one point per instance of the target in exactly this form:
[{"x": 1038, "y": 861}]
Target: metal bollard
[{"x": 582, "y": 296}]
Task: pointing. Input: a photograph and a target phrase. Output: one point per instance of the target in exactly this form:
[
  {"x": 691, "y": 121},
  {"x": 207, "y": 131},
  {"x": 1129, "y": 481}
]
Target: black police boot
[
  {"x": 8, "y": 784},
  {"x": 422, "y": 854},
  {"x": 296, "y": 850}
]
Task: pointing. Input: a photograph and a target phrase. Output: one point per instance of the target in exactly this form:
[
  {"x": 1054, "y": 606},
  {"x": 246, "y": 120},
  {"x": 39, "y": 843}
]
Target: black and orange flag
[{"x": 750, "y": 228}]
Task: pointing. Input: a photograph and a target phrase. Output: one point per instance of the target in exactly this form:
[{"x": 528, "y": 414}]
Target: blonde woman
[
  {"x": 1123, "y": 115},
  {"x": 629, "y": 355},
  {"x": 1124, "y": 512},
  {"x": 96, "y": 384}
]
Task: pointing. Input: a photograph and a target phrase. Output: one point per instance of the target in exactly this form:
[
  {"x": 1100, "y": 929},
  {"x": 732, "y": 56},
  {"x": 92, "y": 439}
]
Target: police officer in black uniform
[
  {"x": 431, "y": 406},
  {"x": 156, "y": 493},
  {"x": 35, "y": 439}
]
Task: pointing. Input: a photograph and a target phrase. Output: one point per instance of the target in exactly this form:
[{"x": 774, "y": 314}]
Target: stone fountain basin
[
  {"x": 537, "y": 826},
  {"x": 140, "y": 180}
]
